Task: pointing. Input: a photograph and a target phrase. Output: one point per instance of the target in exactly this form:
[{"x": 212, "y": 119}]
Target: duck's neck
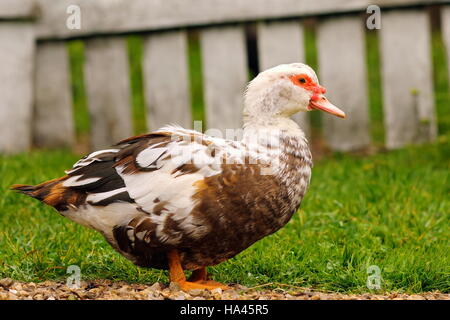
[
  {"x": 281, "y": 138},
  {"x": 254, "y": 127}
]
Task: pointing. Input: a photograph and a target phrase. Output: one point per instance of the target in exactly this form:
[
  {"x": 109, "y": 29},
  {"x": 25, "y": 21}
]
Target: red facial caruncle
[{"x": 317, "y": 100}]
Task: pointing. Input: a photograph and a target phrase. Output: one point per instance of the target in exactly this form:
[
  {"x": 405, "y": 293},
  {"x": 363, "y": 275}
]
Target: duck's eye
[{"x": 302, "y": 80}]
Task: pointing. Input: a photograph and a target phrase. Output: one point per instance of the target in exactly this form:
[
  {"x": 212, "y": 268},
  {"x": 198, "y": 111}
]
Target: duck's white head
[{"x": 284, "y": 90}]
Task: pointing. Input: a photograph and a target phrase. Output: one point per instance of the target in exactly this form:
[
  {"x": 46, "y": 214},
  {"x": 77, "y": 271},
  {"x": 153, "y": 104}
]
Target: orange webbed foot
[
  {"x": 205, "y": 284},
  {"x": 198, "y": 279}
]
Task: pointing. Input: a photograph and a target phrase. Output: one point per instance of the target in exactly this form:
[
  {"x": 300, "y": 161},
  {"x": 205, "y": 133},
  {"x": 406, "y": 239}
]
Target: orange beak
[{"x": 320, "y": 102}]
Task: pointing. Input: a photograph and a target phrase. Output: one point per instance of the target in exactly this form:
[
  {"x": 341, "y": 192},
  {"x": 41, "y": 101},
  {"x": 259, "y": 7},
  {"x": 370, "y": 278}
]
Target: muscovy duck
[{"x": 180, "y": 200}]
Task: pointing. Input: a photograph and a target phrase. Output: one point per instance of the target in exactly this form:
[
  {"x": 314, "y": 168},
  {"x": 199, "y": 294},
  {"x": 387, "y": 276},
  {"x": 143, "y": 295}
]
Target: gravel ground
[{"x": 109, "y": 290}]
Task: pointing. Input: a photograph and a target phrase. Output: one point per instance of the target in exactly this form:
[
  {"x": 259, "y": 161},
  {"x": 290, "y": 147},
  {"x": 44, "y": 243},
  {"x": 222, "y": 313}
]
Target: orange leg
[{"x": 196, "y": 281}]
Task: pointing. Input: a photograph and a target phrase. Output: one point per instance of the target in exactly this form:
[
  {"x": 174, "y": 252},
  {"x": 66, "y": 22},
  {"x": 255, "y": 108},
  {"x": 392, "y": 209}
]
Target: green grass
[{"x": 390, "y": 210}]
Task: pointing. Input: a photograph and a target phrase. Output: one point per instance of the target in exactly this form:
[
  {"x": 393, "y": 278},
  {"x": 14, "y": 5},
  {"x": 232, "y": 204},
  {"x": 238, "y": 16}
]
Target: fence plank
[
  {"x": 224, "y": 76},
  {"x": 342, "y": 69},
  {"x": 53, "y": 118},
  {"x": 108, "y": 90},
  {"x": 166, "y": 79},
  {"x": 278, "y": 43},
  {"x": 18, "y": 9},
  {"x": 445, "y": 18},
  {"x": 16, "y": 85},
  {"x": 170, "y": 14},
  {"x": 407, "y": 78}
]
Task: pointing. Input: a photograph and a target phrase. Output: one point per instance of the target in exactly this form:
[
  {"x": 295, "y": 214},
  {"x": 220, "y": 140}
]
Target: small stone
[
  {"x": 158, "y": 297},
  {"x": 17, "y": 286},
  {"x": 12, "y": 296},
  {"x": 315, "y": 297},
  {"x": 38, "y": 296},
  {"x": 195, "y": 292},
  {"x": 95, "y": 291},
  {"x": 23, "y": 293},
  {"x": 6, "y": 282},
  {"x": 155, "y": 287},
  {"x": 124, "y": 289},
  {"x": 416, "y": 297},
  {"x": 179, "y": 296},
  {"x": 51, "y": 298},
  {"x": 216, "y": 291},
  {"x": 239, "y": 287},
  {"x": 232, "y": 293},
  {"x": 174, "y": 286}
]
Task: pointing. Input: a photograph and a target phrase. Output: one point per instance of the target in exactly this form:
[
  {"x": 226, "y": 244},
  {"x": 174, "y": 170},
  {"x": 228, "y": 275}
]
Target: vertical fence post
[
  {"x": 166, "y": 79},
  {"x": 407, "y": 78},
  {"x": 279, "y": 43},
  {"x": 224, "y": 75},
  {"x": 17, "y": 45},
  {"x": 108, "y": 90},
  {"x": 342, "y": 68},
  {"x": 53, "y": 118}
]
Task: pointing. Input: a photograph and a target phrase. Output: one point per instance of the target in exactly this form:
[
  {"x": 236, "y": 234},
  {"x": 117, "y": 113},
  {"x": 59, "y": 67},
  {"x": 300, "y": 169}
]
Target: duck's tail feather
[
  {"x": 23, "y": 188},
  {"x": 51, "y": 192},
  {"x": 38, "y": 192}
]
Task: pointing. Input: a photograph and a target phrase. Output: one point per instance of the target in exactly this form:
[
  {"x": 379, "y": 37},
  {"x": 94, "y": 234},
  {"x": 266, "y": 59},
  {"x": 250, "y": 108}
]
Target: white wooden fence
[{"x": 36, "y": 101}]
